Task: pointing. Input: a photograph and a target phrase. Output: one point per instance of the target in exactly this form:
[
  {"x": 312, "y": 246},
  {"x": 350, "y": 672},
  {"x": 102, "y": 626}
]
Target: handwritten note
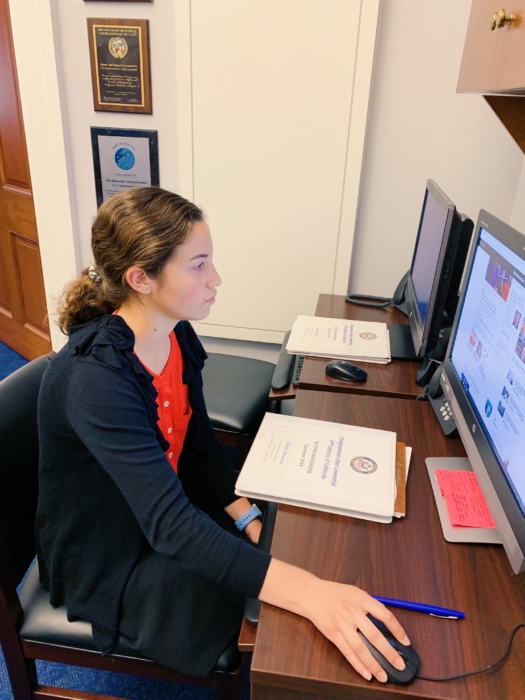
[{"x": 466, "y": 504}]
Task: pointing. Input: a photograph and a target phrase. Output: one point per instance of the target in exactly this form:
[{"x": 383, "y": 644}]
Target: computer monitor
[
  {"x": 484, "y": 375},
  {"x": 440, "y": 252}
]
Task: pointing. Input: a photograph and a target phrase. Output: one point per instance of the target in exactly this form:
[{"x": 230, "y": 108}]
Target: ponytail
[{"x": 83, "y": 300}]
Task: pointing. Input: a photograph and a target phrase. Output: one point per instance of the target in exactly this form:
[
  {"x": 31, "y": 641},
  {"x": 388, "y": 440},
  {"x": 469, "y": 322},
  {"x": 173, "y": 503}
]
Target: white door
[{"x": 279, "y": 94}]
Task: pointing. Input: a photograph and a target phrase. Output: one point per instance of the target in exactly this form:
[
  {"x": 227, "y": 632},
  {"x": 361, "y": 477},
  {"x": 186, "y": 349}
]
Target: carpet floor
[
  {"x": 9, "y": 361},
  {"x": 104, "y": 682}
]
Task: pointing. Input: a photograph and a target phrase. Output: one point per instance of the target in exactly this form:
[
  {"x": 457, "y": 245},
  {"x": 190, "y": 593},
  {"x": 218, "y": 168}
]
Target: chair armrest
[
  {"x": 252, "y": 606},
  {"x": 283, "y": 369}
]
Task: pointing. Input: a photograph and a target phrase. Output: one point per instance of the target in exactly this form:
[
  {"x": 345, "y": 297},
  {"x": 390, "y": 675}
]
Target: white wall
[
  {"x": 77, "y": 99},
  {"x": 517, "y": 218},
  {"x": 315, "y": 100},
  {"x": 419, "y": 128}
]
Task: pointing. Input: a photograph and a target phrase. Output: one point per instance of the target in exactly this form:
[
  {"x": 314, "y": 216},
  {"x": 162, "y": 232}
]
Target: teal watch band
[{"x": 250, "y": 515}]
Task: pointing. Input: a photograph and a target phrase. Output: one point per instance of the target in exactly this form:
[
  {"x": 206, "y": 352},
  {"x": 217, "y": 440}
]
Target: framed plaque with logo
[
  {"x": 123, "y": 158},
  {"x": 120, "y": 64}
]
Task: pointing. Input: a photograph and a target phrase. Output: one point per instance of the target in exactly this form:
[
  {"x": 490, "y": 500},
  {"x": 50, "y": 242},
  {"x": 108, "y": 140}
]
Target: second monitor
[{"x": 432, "y": 285}]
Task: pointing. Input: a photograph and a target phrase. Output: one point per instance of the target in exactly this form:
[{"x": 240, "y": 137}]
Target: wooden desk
[
  {"x": 395, "y": 380},
  {"x": 407, "y": 559}
]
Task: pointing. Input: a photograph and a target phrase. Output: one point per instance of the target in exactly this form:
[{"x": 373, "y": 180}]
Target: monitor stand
[
  {"x": 453, "y": 533},
  {"x": 401, "y": 343}
]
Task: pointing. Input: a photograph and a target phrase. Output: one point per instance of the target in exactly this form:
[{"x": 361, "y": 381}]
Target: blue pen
[{"x": 421, "y": 607}]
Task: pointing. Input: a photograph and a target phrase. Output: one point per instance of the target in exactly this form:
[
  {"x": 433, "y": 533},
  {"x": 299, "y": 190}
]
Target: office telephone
[
  {"x": 440, "y": 404},
  {"x": 284, "y": 367},
  {"x": 398, "y": 298},
  {"x": 288, "y": 367},
  {"x": 399, "y": 295}
]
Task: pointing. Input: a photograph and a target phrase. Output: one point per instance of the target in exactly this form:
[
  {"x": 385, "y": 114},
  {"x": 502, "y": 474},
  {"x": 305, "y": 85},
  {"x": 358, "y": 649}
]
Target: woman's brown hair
[{"x": 142, "y": 226}]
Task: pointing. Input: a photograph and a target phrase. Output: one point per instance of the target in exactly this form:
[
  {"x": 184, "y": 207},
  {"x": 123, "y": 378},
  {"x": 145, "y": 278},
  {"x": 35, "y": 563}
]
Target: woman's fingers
[
  {"x": 357, "y": 654},
  {"x": 353, "y": 616},
  {"x": 378, "y": 639},
  {"x": 379, "y": 611}
]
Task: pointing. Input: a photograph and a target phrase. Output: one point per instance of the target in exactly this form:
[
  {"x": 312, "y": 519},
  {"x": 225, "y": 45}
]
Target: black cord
[
  {"x": 481, "y": 670},
  {"x": 382, "y": 302},
  {"x": 424, "y": 395}
]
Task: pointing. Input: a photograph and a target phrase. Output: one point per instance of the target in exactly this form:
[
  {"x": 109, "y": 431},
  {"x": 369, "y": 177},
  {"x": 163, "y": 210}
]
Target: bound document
[
  {"x": 332, "y": 467},
  {"x": 340, "y": 338}
]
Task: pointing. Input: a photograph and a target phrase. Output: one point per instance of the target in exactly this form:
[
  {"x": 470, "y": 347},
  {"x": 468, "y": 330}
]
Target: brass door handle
[{"x": 500, "y": 19}]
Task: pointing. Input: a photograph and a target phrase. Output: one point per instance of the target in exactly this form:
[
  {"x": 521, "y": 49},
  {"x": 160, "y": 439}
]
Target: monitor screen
[
  {"x": 426, "y": 254},
  {"x": 484, "y": 375},
  {"x": 488, "y": 354},
  {"x": 438, "y": 261}
]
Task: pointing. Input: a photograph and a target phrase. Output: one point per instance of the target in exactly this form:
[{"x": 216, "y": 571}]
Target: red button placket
[{"x": 166, "y": 412}]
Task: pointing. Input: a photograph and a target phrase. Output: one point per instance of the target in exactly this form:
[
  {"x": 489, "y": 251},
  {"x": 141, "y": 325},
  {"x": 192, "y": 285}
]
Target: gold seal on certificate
[{"x": 118, "y": 47}]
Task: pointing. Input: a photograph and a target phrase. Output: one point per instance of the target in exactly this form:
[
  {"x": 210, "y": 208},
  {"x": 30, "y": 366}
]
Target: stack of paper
[
  {"x": 331, "y": 467},
  {"x": 340, "y": 338}
]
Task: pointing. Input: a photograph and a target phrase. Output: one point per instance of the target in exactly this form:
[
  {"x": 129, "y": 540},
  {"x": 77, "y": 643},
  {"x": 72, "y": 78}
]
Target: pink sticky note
[{"x": 466, "y": 504}]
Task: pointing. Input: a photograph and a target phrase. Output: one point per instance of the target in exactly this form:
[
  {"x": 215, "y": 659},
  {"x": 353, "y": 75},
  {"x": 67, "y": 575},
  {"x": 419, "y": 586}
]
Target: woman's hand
[{"x": 338, "y": 611}]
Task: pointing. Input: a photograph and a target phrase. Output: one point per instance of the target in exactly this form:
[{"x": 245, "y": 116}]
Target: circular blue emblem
[{"x": 124, "y": 158}]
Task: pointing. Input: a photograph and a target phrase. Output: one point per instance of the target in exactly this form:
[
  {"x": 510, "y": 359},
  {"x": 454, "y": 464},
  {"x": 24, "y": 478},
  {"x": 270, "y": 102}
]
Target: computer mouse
[
  {"x": 341, "y": 369},
  {"x": 408, "y": 654}
]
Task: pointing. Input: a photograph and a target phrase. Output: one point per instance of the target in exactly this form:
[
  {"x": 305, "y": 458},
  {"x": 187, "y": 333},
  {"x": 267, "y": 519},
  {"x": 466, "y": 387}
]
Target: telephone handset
[
  {"x": 381, "y": 302},
  {"x": 434, "y": 388},
  {"x": 399, "y": 294}
]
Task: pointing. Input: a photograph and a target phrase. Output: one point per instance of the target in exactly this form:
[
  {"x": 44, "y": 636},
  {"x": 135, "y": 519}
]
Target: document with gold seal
[
  {"x": 338, "y": 468},
  {"x": 120, "y": 65}
]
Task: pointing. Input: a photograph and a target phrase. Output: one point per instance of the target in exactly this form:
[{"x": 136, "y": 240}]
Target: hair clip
[{"x": 93, "y": 274}]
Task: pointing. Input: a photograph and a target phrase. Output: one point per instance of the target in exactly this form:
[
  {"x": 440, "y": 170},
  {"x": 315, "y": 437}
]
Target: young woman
[{"x": 138, "y": 525}]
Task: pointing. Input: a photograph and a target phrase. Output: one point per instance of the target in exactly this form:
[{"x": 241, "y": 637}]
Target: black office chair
[
  {"x": 236, "y": 391},
  {"x": 30, "y": 628}
]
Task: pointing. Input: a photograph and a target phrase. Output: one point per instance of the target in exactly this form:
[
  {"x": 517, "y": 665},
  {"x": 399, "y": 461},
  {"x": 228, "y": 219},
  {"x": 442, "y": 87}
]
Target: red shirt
[{"x": 172, "y": 400}]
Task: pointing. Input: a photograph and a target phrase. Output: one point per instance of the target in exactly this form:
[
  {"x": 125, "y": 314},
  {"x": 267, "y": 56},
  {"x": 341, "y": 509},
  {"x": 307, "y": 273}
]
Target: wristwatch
[{"x": 250, "y": 515}]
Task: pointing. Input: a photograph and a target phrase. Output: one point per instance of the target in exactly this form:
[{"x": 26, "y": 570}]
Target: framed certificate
[
  {"x": 123, "y": 158},
  {"x": 120, "y": 64}
]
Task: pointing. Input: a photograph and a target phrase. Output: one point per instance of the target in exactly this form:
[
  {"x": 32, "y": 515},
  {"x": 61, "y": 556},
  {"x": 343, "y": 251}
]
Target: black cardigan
[{"x": 107, "y": 489}]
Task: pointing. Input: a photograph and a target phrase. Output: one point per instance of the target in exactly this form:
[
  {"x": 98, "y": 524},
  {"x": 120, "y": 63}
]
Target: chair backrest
[
  {"x": 19, "y": 464},
  {"x": 236, "y": 391}
]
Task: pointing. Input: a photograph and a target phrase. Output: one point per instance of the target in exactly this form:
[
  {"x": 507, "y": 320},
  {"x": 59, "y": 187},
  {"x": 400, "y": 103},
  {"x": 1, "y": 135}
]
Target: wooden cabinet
[
  {"x": 494, "y": 60},
  {"x": 494, "y": 63}
]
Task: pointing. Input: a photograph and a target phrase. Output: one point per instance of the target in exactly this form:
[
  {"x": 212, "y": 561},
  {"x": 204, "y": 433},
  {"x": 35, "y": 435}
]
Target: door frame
[{"x": 31, "y": 25}]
